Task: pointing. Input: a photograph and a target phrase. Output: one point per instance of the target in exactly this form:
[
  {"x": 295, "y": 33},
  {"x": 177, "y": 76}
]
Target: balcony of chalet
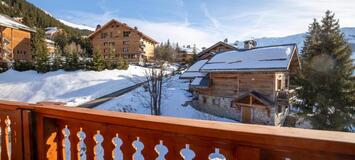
[{"x": 53, "y": 131}]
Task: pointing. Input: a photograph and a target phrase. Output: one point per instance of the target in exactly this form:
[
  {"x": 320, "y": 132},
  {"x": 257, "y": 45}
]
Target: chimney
[
  {"x": 249, "y": 44},
  {"x": 98, "y": 27},
  {"x": 225, "y": 40},
  {"x": 135, "y": 28}
]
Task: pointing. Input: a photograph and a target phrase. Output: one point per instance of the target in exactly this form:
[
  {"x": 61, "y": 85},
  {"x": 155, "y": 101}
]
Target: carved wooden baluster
[
  {"x": 117, "y": 153},
  {"x": 98, "y": 149},
  {"x": 187, "y": 153},
  {"x": 138, "y": 146},
  {"x": 216, "y": 155},
  {"x": 8, "y": 136},
  {"x": 66, "y": 143},
  {"x": 81, "y": 147},
  {"x": 161, "y": 150}
]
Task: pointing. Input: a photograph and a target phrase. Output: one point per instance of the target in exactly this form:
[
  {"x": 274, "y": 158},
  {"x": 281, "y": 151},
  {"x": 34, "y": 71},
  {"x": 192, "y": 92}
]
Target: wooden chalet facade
[
  {"x": 14, "y": 40},
  {"x": 248, "y": 85},
  {"x": 216, "y": 48},
  {"x": 127, "y": 42}
]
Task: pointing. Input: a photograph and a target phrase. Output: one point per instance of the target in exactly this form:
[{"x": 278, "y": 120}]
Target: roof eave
[{"x": 245, "y": 70}]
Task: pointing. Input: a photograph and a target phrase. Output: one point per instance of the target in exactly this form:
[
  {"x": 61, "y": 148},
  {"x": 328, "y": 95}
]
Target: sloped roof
[
  {"x": 113, "y": 20},
  {"x": 200, "y": 82},
  {"x": 258, "y": 96},
  {"x": 7, "y": 21},
  {"x": 265, "y": 58},
  {"x": 215, "y": 45},
  {"x": 194, "y": 70}
]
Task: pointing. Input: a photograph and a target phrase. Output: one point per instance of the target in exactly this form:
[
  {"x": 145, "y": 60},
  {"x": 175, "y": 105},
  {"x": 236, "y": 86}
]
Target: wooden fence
[{"x": 48, "y": 131}]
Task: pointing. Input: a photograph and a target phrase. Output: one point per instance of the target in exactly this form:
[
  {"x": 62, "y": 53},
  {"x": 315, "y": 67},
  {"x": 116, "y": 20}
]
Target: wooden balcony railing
[{"x": 48, "y": 131}]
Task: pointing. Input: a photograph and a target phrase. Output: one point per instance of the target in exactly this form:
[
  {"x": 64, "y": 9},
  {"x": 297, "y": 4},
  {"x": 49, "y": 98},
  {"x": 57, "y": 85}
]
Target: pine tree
[
  {"x": 111, "y": 62},
  {"x": 327, "y": 88},
  {"x": 40, "y": 52},
  {"x": 98, "y": 62}
]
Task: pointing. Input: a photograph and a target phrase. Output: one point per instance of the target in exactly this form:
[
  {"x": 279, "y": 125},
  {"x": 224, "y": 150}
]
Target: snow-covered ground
[
  {"x": 73, "y": 88},
  {"x": 172, "y": 103}
]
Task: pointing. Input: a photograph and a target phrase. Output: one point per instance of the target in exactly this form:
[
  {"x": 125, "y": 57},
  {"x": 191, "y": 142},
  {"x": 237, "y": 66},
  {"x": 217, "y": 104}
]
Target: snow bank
[
  {"x": 172, "y": 104},
  {"x": 74, "y": 88}
]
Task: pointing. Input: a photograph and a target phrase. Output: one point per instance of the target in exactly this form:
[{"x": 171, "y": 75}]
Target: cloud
[{"x": 274, "y": 18}]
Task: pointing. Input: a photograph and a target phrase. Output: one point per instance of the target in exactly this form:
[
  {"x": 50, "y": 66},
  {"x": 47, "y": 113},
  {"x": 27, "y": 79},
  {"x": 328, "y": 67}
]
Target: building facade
[
  {"x": 123, "y": 41},
  {"x": 15, "y": 40},
  {"x": 249, "y": 85}
]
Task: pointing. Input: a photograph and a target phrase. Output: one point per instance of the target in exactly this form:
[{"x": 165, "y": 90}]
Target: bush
[
  {"x": 3, "y": 67},
  {"x": 23, "y": 66}
]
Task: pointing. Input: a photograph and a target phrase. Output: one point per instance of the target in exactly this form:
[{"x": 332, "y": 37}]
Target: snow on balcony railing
[{"x": 49, "y": 131}]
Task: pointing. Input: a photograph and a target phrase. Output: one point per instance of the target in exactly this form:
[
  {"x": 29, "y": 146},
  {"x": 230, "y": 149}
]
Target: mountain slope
[
  {"x": 78, "y": 26},
  {"x": 36, "y": 17},
  {"x": 349, "y": 34}
]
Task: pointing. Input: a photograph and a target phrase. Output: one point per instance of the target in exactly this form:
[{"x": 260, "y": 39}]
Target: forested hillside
[{"x": 35, "y": 17}]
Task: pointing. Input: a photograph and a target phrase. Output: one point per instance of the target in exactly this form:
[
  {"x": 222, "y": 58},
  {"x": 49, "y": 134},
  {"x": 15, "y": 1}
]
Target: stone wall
[
  {"x": 218, "y": 106},
  {"x": 222, "y": 107}
]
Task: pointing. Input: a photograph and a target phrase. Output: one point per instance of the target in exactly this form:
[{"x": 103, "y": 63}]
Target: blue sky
[{"x": 203, "y": 22}]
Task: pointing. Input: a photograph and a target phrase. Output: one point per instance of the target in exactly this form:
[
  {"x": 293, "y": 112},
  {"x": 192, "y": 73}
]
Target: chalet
[
  {"x": 124, "y": 41},
  {"x": 52, "y": 32},
  {"x": 249, "y": 85},
  {"x": 15, "y": 40},
  {"x": 186, "y": 54},
  {"x": 219, "y": 47}
]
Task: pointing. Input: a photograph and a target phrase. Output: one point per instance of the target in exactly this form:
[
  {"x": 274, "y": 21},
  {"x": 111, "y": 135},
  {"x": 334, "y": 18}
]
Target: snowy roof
[
  {"x": 200, "y": 82},
  {"x": 7, "y": 21},
  {"x": 256, "y": 59},
  {"x": 51, "y": 30},
  {"x": 194, "y": 70}
]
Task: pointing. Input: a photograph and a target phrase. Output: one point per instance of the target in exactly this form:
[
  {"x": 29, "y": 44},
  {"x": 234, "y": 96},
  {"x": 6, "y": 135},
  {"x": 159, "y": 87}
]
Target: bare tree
[{"x": 154, "y": 78}]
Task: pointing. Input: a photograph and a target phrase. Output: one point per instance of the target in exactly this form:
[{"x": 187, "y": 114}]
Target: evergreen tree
[
  {"x": 40, "y": 52},
  {"x": 122, "y": 64},
  {"x": 327, "y": 88},
  {"x": 57, "y": 62},
  {"x": 98, "y": 62},
  {"x": 111, "y": 62}
]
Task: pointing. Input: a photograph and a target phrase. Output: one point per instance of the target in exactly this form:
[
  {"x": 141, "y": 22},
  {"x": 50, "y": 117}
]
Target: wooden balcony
[{"x": 49, "y": 131}]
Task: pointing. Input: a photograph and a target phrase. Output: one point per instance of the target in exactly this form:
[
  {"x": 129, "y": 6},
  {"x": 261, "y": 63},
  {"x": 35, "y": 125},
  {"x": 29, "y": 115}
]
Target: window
[
  {"x": 111, "y": 34},
  {"x": 126, "y": 33},
  {"x": 103, "y": 35},
  {"x": 125, "y": 42},
  {"x": 204, "y": 99},
  {"x": 125, "y": 49},
  {"x": 279, "y": 84}
]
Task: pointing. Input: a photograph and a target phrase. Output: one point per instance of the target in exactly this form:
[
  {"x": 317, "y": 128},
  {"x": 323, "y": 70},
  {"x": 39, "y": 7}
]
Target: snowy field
[
  {"x": 172, "y": 103},
  {"x": 73, "y": 88}
]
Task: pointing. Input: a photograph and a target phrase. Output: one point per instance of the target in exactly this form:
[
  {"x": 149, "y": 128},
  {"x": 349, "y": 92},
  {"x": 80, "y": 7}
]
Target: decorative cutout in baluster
[
  {"x": 98, "y": 149},
  {"x": 81, "y": 147},
  {"x": 139, "y": 146},
  {"x": 187, "y": 153},
  {"x": 66, "y": 143},
  {"x": 162, "y": 150},
  {"x": 117, "y": 153},
  {"x": 216, "y": 155},
  {"x": 8, "y": 137}
]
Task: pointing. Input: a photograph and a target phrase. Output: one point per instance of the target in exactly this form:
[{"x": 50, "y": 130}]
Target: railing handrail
[{"x": 249, "y": 134}]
